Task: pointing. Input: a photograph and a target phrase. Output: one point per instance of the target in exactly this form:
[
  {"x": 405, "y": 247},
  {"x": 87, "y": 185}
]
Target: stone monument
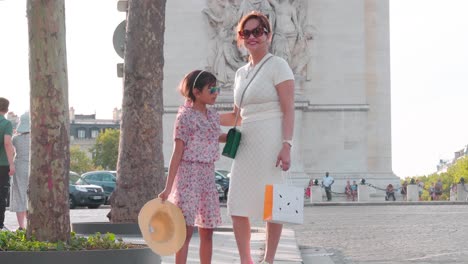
[{"x": 340, "y": 54}]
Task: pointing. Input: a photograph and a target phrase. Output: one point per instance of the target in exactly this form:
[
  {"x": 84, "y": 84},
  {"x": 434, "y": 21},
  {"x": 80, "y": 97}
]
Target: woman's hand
[
  {"x": 284, "y": 157},
  {"x": 164, "y": 194}
]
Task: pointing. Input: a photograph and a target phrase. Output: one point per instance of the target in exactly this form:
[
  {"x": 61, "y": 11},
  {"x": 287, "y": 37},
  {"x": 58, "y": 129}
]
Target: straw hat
[
  {"x": 24, "y": 125},
  {"x": 162, "y": 225}
]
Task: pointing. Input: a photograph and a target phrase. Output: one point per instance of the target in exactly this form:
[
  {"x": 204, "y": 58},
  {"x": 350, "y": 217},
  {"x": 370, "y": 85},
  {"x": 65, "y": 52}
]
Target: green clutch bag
[{"x": 232, "y": 143}]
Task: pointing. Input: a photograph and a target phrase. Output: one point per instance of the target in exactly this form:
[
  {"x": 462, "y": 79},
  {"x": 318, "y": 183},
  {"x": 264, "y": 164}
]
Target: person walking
[
  {"x": 18, "y": 196},
  {"x": 7, "y": 166},
  {"x": 266, "y": 119},
  {"x": 327, "y": 183},
  {"x": 190, "y": 183}
]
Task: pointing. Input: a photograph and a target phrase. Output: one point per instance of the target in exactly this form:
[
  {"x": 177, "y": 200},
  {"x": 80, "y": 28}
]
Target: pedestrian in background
[
  {"x": 19, "y": 185},
  {"x": 327, "y": 183},
  {"x": 7, "y": 166}
]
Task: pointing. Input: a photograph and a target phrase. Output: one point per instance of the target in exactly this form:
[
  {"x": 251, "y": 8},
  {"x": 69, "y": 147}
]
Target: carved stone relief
[{"x": 292, "y": 36}]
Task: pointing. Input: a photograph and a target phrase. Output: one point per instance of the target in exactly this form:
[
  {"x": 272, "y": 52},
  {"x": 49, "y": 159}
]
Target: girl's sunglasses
[
  {"x": 256, "y": 32},
  {"x": 215, "y": 90}
]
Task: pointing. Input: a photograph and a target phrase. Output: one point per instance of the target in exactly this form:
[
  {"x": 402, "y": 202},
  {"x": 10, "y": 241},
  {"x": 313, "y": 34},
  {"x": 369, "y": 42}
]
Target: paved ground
[
  {"x": 353, "y": 234},
  {"x": 386, "y": 234}
]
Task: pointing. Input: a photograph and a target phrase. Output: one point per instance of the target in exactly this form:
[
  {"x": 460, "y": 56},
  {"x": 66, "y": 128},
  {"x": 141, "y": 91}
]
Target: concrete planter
[
  {"x": 106, "y": 227},
  {"x": 114, "y": 256}
]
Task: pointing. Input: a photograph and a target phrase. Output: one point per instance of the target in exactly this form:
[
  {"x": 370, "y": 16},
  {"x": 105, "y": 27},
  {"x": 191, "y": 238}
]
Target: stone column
[
  {"x": 316, "y": 194},
  {"x": 363, "y": 193},
  {"x": 300, "y": 178},
  {"x": 412, "y": 195}
]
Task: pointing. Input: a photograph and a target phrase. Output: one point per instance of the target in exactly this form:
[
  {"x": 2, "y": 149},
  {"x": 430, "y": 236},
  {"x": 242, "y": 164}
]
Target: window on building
[
  {"x": 94, "y": 133},
  {"x": 81, "y": 133}
]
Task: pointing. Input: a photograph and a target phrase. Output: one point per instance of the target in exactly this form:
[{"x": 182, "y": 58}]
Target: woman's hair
[
  {"x": 196, "y": 79},
  {"x": 260, "y": 17}
]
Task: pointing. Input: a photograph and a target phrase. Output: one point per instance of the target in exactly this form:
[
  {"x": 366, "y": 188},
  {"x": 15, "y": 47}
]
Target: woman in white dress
[{"x": 266, "y": 121}]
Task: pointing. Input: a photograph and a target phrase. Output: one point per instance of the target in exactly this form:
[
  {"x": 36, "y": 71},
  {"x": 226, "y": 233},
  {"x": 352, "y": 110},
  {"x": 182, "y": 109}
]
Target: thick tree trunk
[
  {"x": 48, "y": 215},
  {"x": 140, "y": 167}
]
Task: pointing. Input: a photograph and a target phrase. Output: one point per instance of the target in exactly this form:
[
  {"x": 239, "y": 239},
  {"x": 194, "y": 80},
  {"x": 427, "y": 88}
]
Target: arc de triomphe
[{"x": 340, "y": 54}]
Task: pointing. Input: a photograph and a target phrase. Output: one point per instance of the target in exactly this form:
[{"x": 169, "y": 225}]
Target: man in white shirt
[{"x": 327, "y": 182}]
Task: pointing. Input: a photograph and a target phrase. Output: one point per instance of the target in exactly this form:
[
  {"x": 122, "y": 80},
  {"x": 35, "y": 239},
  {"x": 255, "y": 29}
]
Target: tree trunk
[
  {"x": 48, "y": 213},
  {"x": 140, "y": 166}
]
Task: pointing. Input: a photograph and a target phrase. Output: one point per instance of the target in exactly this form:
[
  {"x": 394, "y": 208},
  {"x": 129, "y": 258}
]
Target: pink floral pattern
[
  {"x": 194, "y": 189},
  {"x": 200, "y": 134}
]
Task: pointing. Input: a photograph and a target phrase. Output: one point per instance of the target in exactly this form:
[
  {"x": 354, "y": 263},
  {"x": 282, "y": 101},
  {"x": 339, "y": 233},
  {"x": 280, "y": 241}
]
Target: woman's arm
[
  {"x": 173, "y": 167},
  {"x": 229, "y": 118},
  {"x": 285, "y": 92}
]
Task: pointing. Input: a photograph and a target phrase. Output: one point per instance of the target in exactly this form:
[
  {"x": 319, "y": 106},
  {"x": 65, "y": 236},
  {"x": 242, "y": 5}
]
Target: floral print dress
[{"x": 194, "y": 189}]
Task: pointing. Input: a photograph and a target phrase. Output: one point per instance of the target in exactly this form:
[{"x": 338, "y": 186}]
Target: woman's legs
[
  {"x": 241, "y": 226},
  {"x": 273, "y": 237},
  {"x": 21, "y": 217},
  {"x": 181, "y": 255},
  {"x": 206, "y": 244}
]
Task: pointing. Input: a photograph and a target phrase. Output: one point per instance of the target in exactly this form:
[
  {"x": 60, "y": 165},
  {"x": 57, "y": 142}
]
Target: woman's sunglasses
[
  {"x": 215, "y": 90},
  {"x": 256, "y": 32}
]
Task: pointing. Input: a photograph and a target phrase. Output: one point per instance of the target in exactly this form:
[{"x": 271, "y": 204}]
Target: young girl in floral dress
[{"x": 190, "y": 183}]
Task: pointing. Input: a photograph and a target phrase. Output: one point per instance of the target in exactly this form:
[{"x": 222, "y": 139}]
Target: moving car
[
  {"x": 88, "y": 195},
  {"x": 105, "y": 179}
]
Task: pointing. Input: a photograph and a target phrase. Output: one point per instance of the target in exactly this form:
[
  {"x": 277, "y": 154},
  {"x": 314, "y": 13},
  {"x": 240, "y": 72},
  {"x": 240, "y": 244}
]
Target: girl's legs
[
  {"x": 273, "y": 237},
  {"x": 206, "y": 244},
  {"x": 241, "y": 225},
  {"x": 181, "y": 255},
  {"x": 21, "y": 217}
]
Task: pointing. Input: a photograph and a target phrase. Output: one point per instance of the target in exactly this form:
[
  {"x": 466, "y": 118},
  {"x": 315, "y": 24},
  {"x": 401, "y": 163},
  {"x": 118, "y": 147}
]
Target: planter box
[
  {"x": 106, "y": 227},
  {"x": 114, "y": 256}
]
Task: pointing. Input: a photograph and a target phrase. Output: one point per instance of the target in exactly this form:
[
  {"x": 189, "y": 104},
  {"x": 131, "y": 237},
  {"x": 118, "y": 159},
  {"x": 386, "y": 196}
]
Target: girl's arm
[
  {"x": 173, "y": 167},
  {"x": 285, "y": 92},
  {"x": 222, "y": 138},
  {"x": 228, "y": 119}
]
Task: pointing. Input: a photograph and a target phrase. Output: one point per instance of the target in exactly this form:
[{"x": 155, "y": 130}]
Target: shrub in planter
[{"x": 97, "y": 248}]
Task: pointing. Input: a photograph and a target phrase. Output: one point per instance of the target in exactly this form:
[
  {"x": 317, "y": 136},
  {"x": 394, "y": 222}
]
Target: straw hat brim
[{"x": 170, "y": 224}]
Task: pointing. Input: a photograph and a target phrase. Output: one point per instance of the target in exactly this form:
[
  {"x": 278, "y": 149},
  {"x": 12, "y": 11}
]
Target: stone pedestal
[
  {"x": 315, "y": 194},
  {"x": 363, "y": 193},
  {"x": 412, "y": 195},
  {"x": 462, "y": 194}
]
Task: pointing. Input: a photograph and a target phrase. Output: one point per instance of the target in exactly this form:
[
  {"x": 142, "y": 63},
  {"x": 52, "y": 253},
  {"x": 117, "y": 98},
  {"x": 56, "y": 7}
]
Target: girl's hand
[
  {"x": 284, "y": 157},
  {"x": 164, "y": 194}
]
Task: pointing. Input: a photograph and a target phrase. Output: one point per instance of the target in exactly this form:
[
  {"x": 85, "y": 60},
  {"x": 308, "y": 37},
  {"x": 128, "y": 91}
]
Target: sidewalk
[{"x": 225, "y": 248}]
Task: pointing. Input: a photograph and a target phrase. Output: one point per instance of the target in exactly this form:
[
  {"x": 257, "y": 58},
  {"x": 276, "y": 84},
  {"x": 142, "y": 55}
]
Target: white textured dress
[{"x": 261, "y": 141}]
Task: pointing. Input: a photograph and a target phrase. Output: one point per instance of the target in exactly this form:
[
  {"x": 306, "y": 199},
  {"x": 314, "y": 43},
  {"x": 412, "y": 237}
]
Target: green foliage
[
  {"x": 18, "y": 241},
  {"x": 79, "y": 161},
  {"x": 106, "y": 149},
  {"x": 452, "y": 176}
]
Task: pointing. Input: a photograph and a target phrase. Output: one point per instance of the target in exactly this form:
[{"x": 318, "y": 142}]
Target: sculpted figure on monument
[
  {"x": 287, "y": 29},
  {"x": 226, "y": 57},
  {"x": 291, "y": 40}
]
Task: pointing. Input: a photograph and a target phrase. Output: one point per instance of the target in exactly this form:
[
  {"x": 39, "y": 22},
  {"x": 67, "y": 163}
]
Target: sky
[{"x": 429, "y": 72}]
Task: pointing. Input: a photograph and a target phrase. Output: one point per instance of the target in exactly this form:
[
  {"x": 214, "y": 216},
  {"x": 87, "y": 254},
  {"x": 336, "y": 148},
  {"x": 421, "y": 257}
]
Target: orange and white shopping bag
[{"x": 284, "y": 204}]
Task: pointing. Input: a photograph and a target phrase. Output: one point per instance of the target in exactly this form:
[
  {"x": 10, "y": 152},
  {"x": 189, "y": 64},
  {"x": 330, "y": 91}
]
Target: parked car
[
  {"x": 222, "y": 179},
  {"x": 105, "y": 179},
  {"x": 88, "y": 195}
]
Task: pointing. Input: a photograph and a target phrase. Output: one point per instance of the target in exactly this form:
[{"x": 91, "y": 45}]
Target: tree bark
[
  {"x": 140, "y": 166},
  {"x": 48, "y": 212}
]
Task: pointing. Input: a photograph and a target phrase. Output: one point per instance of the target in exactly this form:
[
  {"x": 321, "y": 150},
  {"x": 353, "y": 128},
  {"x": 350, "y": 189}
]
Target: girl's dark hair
[
  {"x": 191, "y": 82},
  {"x": 260, "y": 17}
]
